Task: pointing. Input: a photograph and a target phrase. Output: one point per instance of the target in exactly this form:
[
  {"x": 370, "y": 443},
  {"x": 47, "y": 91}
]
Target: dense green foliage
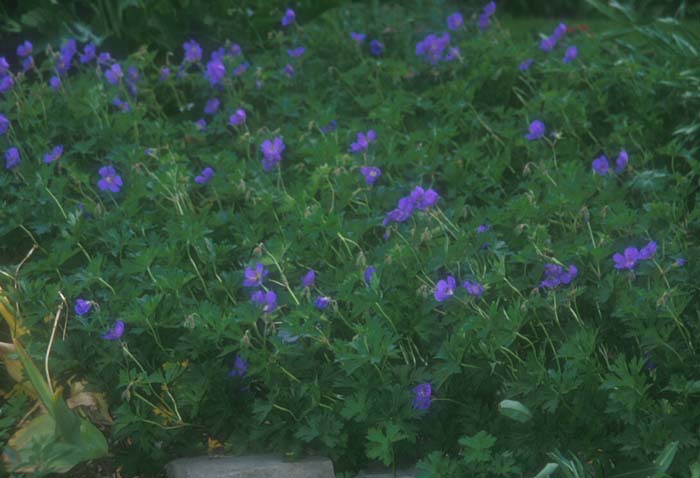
[{"x": 602, "y": 374}]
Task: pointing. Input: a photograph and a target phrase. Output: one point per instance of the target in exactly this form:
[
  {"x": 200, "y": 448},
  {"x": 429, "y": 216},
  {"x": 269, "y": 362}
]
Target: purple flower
[
  {"x": 288, "y": 70},
  {"x": 296, "y": 52},
  {"x": 122, "y": 105},
  {"x": 193, "y": 52},
  {"x": 218, "y": 54},
  {"x": 322, "y": 302},
  {"x": 235, "y": 50},
  {"x": 570, "y": 55},
  {"x": 205, "y": 176},
  {"x": 54, "y": 154},
  {"x": 371, "y": 174},
  {"x": 200, "y": 124},
  {"x": 237, "y": 118},
  {"x": 4, "y": 124},
  {"x": 6, "y": 83},
  {"x": 455, "y": 21},
  {"x": 240, "y": 69},
  {"x": 555, "y": 275},
  {"x": 55, "y": 83},
  {"x": 483, "y": 22},
  {"x": 524, "y": 66},
  {"x": 254, "y": 277},
  {"x": 559, "y": 32},
  {"x": 680, "y": 262},
  {"x": 12, "y": 158},
  {"x": 4, "y": 66},
  {"x": 215, "y": 72},
  {"x": 267, "y": 300},
  {"x": 88, "y": 53},
  {"x": 422, "y": 396},
  {"x": 114, "y": 74},
  {"x": 536, "y": 130},
  {"x": 363, "y": 140},
  {"x": 27, "y": 63},
  {"x": 104, "y": 58},
  {"x": 116, "y": 332},
  {"x": 424, "y": 199},
  {"x": 432, "y": 47},
  {"x": 621, "y": 162},
  {"x": 110, "y": 181},
  {"x": 358, "y": 37},
  {"x": 601, "y": 165},
  {"x": 445, "y": 289},
  {"x": 490, "y": 8},
  {"x": 473, "y": 288},
  {"x": 212, "y": 106},
  {"x": 547, "y": 44},
  {"x": 369, "y": 273},
  {"x": 482, "y": 228},
  {"x": 648, "y": 251},
  {"x": 68, "y": 50},
  {"x": 309, "y": 279},
  {"x": 402, "y": 212},
  {"x": 272, "y": 152},
  {"x": 164, "y": 74},
  {"x": 627, "y": 260},
  {"x": 240, "y": 367},
  {"x": 82, "y": 307},
  {"x": 332, "y": 126},
  {"x": 133, "y": 75},
  {"x": 452, "y": 53},
  {"x": 288, "y": 17},
  {"x": 376, "y": 47}
]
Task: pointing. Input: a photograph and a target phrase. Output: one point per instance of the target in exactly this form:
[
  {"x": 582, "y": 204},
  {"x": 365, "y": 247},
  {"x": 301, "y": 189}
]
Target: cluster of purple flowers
[
  {"x": 485, "y": 18},
  {"x": 555, "y": 275},
  {"x": 272, "y": 152},
  {"x": 418, "y": 199},
  {"x": 601, "y": 166},
  {"x": 548, "y": 44},
  {"x": 446, "y": 288},
  {"x": 434, "y": 48},
  {"x": 363, "y": 141},
  {"x": 631, "y": 256},
  {"x": 253, "y": 277},
  {"x": 24, "y": 51}
]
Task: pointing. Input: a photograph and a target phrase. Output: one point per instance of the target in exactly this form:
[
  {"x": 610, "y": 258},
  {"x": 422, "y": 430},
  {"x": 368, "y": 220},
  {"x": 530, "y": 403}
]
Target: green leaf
[
  {"x": 548, "y": 469},
  {"x": 515, "y": 410}
]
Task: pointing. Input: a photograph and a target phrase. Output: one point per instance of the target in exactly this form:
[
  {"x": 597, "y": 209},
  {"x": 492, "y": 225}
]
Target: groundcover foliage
[{"x": 391, "y": 245}]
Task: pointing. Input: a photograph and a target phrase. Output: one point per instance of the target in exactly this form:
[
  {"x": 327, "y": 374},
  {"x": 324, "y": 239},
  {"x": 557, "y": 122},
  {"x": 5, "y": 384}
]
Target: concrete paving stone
[{"x": 251, "y": 466}]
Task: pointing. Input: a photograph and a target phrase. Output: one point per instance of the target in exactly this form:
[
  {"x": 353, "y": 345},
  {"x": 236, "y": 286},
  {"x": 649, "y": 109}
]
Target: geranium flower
[
  {"x": 309, "y": 279},
  {"x": 54, "y": 154},
  {"x": 110, "y": 181},
  {"x": 445, "y": 289},
  {"x": 82, "y": 307},
  {"x": 422, "y": 396},
  {"x": 371, "y": 174},
  {"x": 536, "y": 130},
  {"x": 254, "y": 277},
  {"x": 116, "y": 332},
  {"x": 12, "y": 158},
  {"x": 237, "y": 118},
  {"x": 205, "y": 176}
]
